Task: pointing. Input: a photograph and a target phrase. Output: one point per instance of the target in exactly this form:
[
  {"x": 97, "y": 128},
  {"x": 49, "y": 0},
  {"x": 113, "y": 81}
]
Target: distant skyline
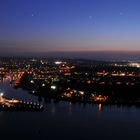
[{"x": 39, "y": 26}]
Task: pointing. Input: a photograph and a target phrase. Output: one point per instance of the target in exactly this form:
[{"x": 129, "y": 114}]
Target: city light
[
  {"x": 137, "y": 65},
  {"x": 1, "y": 94},
  {"x": 80, "y": 84},
  {"x": 43, "y": 85},
  {"x": 53, "y": 87},
  {"x": 81, "y": 92},
  {"x": 32, "y": 81},
  {"x": 33, "y": 91},
  {"x": 58, "y": 62}
]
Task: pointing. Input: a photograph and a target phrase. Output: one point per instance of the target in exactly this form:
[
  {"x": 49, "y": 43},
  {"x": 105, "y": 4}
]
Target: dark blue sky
[{"x": 69, "y": 25}]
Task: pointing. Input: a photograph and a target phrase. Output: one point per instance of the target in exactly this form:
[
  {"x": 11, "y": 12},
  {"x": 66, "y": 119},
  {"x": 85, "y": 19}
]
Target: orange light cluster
[
  {"x": 101, "y": 98},
  {"x": 69, "y": 94}
]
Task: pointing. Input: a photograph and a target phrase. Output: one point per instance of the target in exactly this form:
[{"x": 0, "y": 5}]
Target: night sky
[{"x": 69, "y": 25}]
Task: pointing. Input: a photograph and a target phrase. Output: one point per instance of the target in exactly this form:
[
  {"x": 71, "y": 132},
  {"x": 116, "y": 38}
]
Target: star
[
  {"x": 90, "y": 17},
  {"x": 121, "y": 13},
  {"x": 32, "y": 15}
]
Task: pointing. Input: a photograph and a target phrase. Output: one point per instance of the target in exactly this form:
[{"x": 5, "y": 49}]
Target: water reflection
[
  {"x": 70, "y": 108},
  {"x": 100, "y": 107}
]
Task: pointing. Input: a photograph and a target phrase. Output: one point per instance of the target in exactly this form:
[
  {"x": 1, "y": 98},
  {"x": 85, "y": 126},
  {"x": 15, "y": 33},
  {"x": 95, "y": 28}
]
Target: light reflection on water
[{"x": 66, "y": 120}]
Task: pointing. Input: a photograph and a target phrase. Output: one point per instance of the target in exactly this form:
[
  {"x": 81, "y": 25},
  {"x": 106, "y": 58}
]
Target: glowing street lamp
[
  {"x": 43, "y": 85},
  {"x": 53, "y": 87},
  {"x": 32, "y": 81},
  {"x": 1, "y": 94},
  {"x": 58, "y": 62}
]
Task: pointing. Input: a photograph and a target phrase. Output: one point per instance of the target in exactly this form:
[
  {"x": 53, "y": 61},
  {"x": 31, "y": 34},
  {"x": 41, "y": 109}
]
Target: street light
[
  {"x": 1, "y": 94},
  {"x": 53, "y": 87},
  {"x": 32, "y": 81},
  {"x": 43, "y": 85}
]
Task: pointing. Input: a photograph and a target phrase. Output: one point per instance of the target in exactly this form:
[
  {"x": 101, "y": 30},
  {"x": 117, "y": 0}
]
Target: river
[{"x": 64, "y": 120}]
